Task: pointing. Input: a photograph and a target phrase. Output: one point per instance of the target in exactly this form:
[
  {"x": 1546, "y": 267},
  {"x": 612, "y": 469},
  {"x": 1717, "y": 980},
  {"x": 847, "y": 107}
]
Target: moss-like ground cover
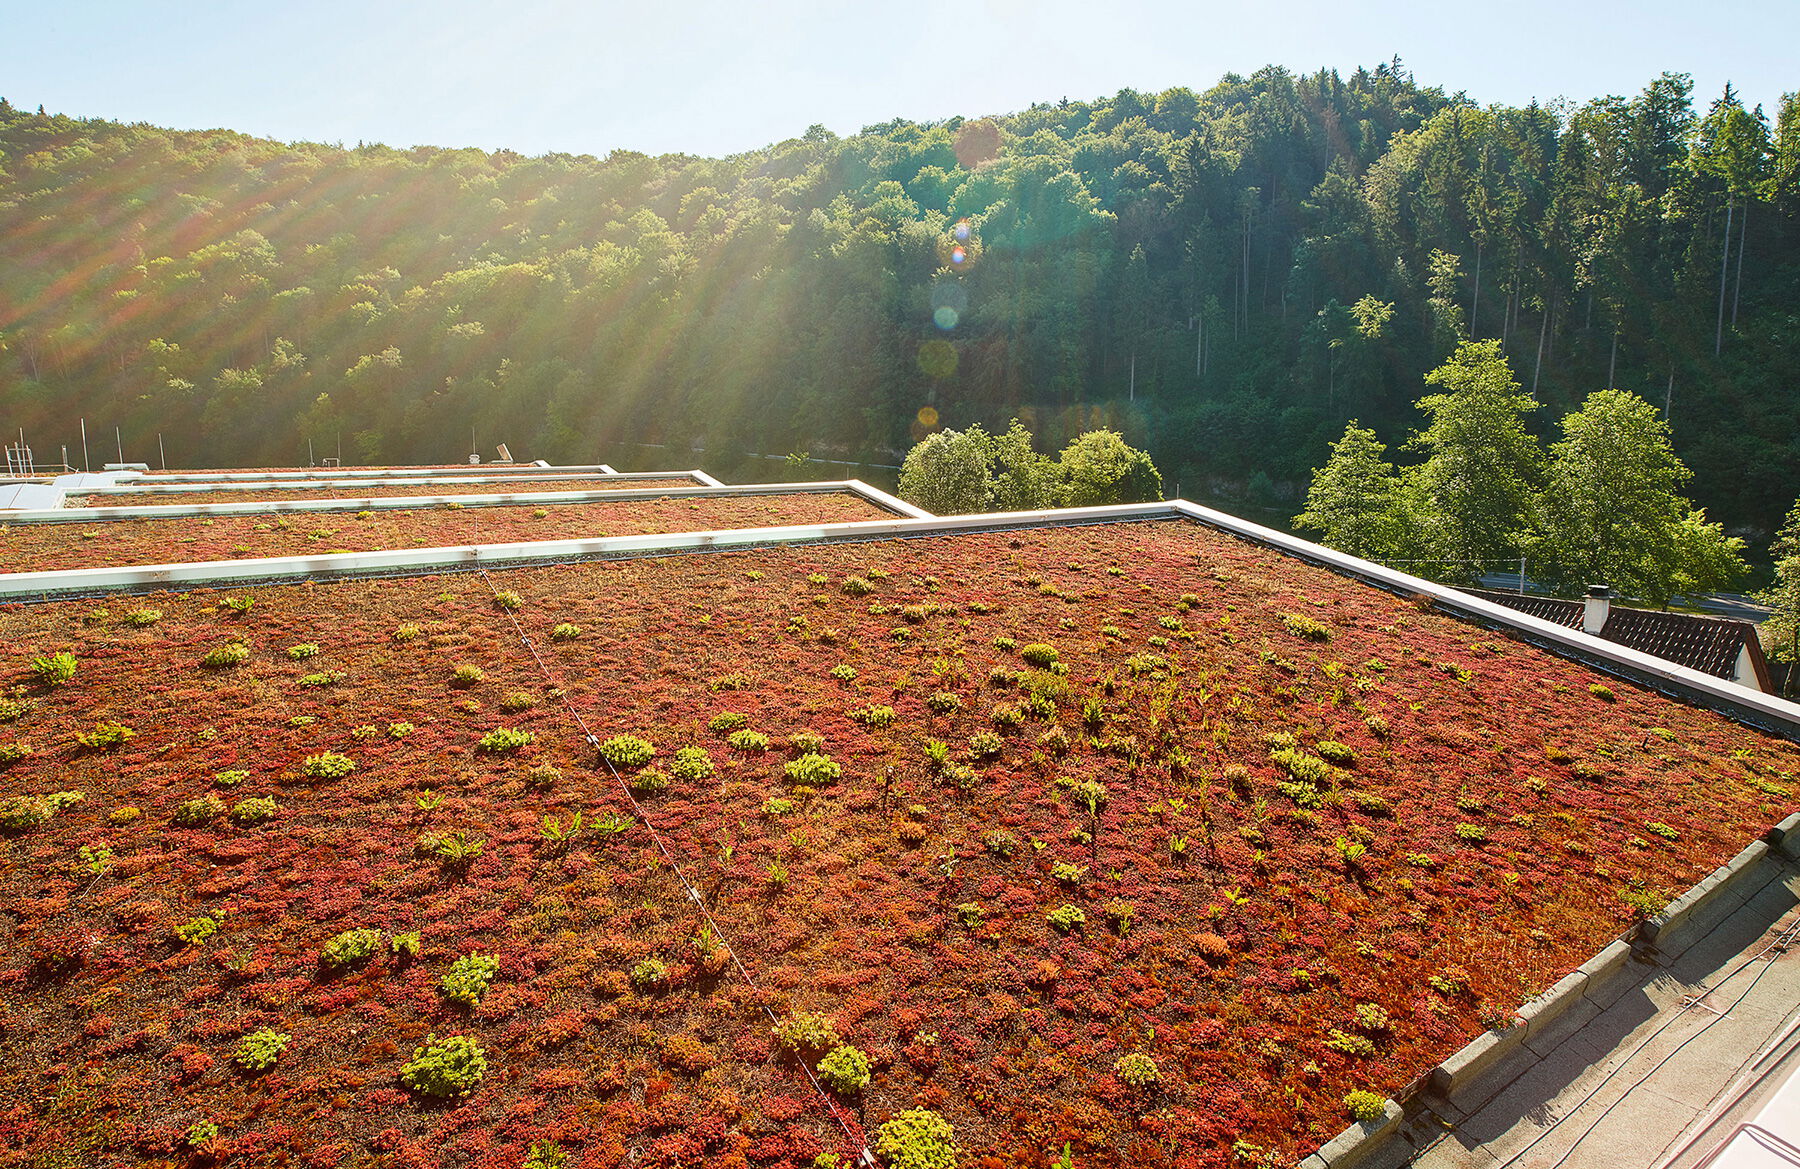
[
  {"x": 1301, "y": 864},
  {"x": 104, "y": 543},
  {"x": 275, "y": 492}
]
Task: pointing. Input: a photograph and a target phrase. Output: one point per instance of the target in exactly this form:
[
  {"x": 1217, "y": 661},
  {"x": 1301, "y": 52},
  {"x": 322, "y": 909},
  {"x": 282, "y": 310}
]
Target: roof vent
[{"x": 1596, "y": 609}]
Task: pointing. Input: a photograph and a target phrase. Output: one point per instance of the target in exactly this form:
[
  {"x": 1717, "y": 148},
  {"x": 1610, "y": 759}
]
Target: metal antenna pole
[
  {"x": 121, "y": 443},
  {"x": 159, "y": 451},
  {"x": 85, "y": 466}
]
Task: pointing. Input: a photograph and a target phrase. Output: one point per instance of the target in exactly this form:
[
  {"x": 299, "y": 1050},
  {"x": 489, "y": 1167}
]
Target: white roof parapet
[
  {"x": 521, "y": 470},
  {"x": 144, "y": 487},
  {"x": 83, "y": 515},
  {"x": 1758, "y": 709}
]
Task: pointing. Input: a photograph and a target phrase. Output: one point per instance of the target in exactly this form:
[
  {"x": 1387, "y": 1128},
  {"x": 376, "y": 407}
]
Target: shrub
[
  {"x": 812, "y": 770},
  {"x": 1066, "y": 918},
  {"x": 466, "y": 675},
  {"x": 14, "y": 751},
  {"x": 985, "y": 744},
  {"x": 1335, "y": 752},
  {"x": 325, "y": 679},
  {"x": 302, "y": 652},
  {"x": 1136, "y": 1070},
  {"x": 564, "y": 631},
  {"x": 239, "y": 605},
  {"x": 508, "y": 600},
  {"x": 105, "y": 736},
  {"x": 198, "y": 813},
  {"x": 252, "y": 811},
  {"x": 693, "y": 763},
  {"x": 327, "y": 765},
  {"x": 856, "y": 586},
  {"x": 199, "y": 1133},
  {"x": 1067, "y": 873},
  {"x": 406, "y": 632},
  {"x": 944, "y": 702},
  {"x": 544, "y": 775},
  {"x": 627, "y": 751},
  {"x": 807, "y": 743},
  {"x": 806, "y": 1031},
  {"x": 726, "y": 721},
  {"x": 514, "y": 701},
  {"x": 1302, "y": 766},
  {"x": 195, "y": 930},
  {"x": 748, "y": 741},
  {"x": 1039, "y": 654},
  {"x": 776, "y": 806},
  {"x": 1663, "y": 830},
  {"x": 232, "y": 653},
  {"x": 1473, "y": 833},
  {"x": 917, "y": 1139},
  {"x": 468, "y": 978},
  {"x": 1603, "y": 693},
  {"x": 844, "y": 1070},
  {"x": 735, "y": 681},
  {"x": 260, "y": 1049},
  {"x": 348, "y": 948},
  {"x": 844, "y": 673},
  {"x": 1006, "y": 716},
  {"x": 874, "y": 716},
  {"x": 1365, "y": 1106},
  {"x": 504, "y": 739},
  {"x": 545, "y": 1155},
  {"x": 54, "y": 669},
  {"x": 142, "y": 617},
  {"x": 452, "y": 1066}
]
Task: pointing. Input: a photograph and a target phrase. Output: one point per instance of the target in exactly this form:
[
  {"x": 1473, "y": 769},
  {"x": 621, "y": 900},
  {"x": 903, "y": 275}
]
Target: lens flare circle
[
  {"x": 937, "y": 359},
  {"x": 928, "y": 416},
  {"x": 945, "y": 318}
]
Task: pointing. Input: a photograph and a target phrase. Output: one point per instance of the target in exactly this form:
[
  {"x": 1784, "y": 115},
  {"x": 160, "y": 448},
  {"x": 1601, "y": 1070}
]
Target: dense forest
[{"x": 1226, "y": 277}]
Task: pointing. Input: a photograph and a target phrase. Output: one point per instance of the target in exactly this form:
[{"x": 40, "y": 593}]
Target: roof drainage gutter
[{"x": 1760, "y": 710}]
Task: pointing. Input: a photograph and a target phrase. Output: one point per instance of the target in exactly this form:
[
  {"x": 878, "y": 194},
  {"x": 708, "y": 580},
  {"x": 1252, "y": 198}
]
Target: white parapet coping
[
  {"x": 146, "y": 486},
  {"x": 1749, "y": 706},
  {"x": 85, "y": 515},
  {"x": 448, "y": 471}
]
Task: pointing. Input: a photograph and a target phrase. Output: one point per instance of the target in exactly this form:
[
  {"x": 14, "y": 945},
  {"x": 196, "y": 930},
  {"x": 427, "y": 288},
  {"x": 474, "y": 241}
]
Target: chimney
[{"x": 1595, "y": 609}]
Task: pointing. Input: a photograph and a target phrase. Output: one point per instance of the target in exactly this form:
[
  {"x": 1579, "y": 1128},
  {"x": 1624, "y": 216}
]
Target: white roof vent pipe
[{"x": 1596, "y": 609}]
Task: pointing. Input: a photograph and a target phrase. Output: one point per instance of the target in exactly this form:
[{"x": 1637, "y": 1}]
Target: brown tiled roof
[{"x": 1708, "y": 644}]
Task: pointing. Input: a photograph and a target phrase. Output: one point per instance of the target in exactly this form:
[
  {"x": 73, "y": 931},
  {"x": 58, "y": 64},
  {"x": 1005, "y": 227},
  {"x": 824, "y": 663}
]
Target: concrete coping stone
[
  {"x": 1357, "y": 1142},
  {"x": 1546, "y": 1008},
  {"x": 1785, "y": 837},
  {"x": 1474, "y": 1058},
  {"x": 1604, "y": 965},
  {"x": 1727, "y": 881}
]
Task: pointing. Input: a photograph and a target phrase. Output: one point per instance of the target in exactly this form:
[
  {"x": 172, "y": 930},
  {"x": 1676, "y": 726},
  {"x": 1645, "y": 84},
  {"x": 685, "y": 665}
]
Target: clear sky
[{"x": 711, "y": 77}]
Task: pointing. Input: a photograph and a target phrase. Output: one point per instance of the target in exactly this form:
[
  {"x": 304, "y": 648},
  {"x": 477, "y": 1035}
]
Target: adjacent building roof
[{"x": 1712, "y": 645}]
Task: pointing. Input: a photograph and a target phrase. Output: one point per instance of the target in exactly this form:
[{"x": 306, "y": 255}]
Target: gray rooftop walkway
[{"x": 1655, "y": 1078}]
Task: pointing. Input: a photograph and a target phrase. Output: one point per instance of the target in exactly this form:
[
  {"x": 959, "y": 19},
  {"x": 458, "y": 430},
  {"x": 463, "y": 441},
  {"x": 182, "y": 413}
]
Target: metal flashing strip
[
  {"x": 83, "y": 515},
  {"x": 1761, "y": 710}
]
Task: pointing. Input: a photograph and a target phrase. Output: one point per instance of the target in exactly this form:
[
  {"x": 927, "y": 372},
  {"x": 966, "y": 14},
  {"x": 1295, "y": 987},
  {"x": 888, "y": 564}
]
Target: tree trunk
[
  {"x": 1538, "y": 368},
  {"x": 1724, "y": 267},
  {"x": 1738, "y": 284},
  {"x": 1474, "y": 329},
  {"x": 1612, "y": 363}
]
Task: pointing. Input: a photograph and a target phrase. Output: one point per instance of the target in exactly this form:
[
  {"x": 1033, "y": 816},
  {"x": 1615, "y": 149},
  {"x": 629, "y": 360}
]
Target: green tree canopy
[
  {"x": 950, "y": 472},
  {"x": 1100, "y": 468},
  {"x": 1612, "y": 512},
  {"x": 1474, "y": 490},
  {"x": 1781, "y": 632},
  {"x": 1356, "y": 499}
]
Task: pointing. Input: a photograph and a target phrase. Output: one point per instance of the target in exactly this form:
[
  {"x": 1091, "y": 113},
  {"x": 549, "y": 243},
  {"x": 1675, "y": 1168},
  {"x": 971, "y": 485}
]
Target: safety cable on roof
[
  {"x": 867, "y": 1158},
  {"x": 1781, "y": 942}
]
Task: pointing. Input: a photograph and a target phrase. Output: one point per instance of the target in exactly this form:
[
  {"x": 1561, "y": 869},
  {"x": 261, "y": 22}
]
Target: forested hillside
[{"x": 1225, "y": 276}]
